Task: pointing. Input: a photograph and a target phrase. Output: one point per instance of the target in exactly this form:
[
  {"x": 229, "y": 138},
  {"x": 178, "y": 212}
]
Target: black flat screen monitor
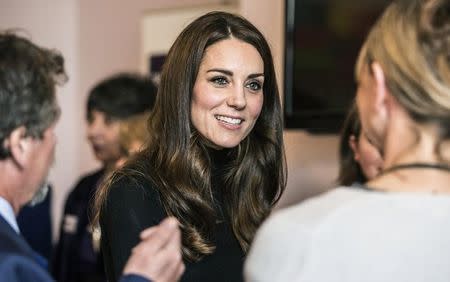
[{"x": 323, "y": 38}]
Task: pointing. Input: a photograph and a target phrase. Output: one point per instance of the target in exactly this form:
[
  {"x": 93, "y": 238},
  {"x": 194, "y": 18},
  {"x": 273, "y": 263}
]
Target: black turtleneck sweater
[{"x": 134, "y": 204}]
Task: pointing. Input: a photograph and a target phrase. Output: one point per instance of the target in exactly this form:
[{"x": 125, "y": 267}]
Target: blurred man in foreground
[{"x": 28, "y": 114}]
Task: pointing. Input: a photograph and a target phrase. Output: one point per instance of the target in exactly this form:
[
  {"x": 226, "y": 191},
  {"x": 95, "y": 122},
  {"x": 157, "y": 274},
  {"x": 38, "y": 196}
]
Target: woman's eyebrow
[
  {"x": 255, "y": 75},
  {"x": 230, "y": 73},
  {"x": 227, "y": 72}
]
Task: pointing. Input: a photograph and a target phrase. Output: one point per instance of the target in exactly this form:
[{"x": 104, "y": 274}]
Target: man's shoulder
[
  {"x": 10, "y": 241},
  {"x": 4, "y": 225},
  {"x": 15, "y": 267}
]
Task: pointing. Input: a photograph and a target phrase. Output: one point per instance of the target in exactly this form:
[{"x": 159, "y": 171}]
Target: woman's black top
[{"x": 133, "y": 204}]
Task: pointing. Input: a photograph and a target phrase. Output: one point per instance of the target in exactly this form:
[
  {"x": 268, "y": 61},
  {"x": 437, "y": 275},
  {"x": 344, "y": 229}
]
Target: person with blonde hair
[
  {"x": 396, "y": 227},
  {"x": 110, "y": 102},
  {"x": 133, "y": 132}
]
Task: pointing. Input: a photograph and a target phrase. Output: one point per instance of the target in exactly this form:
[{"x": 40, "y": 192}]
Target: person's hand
[{"x": 158, "y": 256}]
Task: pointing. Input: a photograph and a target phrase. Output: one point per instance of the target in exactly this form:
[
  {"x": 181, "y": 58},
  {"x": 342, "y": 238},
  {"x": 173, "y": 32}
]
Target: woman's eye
[
  {"x": 219, "y": 80},
  {"x": 254, "y": 86}
]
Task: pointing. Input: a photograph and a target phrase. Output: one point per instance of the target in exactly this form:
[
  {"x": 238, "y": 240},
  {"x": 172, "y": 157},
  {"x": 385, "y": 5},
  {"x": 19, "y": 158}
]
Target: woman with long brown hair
[{"x": 215, "y": 158}]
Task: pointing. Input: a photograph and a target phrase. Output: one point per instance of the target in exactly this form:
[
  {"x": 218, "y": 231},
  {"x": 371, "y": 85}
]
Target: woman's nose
[{"x": 237, "y": 98}]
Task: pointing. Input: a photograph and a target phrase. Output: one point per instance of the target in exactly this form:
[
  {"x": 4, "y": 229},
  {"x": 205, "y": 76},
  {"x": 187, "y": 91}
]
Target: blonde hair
[
  {"x": 411, "y": 42},
  {"x": 133, "y": 132}
]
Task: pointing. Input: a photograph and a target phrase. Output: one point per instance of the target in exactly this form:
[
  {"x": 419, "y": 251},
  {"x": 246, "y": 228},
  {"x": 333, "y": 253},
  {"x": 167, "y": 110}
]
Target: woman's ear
[
  {"x": 17, "y": 145},
  {"x": 381, "y": 91}
]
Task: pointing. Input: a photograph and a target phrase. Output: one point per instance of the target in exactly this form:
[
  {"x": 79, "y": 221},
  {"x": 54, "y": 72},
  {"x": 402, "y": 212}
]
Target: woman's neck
[
  {"x": 413, "y": 179},
  {"x": 407, "y": 142},
  {"x": 412, "y": 162}
]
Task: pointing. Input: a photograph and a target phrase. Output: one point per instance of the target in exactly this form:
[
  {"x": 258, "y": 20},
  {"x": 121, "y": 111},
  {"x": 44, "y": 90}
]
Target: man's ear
[
  {"x": 352, "y": 143},
  {"x": 381, "y": 91},
  {"x": 17, "y": 145}
]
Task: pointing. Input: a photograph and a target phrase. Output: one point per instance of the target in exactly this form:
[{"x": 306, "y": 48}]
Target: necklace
[
  {"x": 420, "y": 165},
  {"x": 443, "y": 167}
]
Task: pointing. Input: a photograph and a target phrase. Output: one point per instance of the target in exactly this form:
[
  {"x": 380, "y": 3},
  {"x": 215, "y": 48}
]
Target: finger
[
  {"x": 148, "y": 232},
  {"x": 174, "y": 274},
  {"x": 177, "y": 237},
  {"x": 148, "y": 260},
  {"x": 171, "y": 256},
  {"x": 156, "y": 241},
  {"x": 167, "y": 232},
  {"x": 171, "y": 266},
  {"x": 179, "y": 270},
  {"x": 168, "y": 223},
  {"x": 174, "y": 242}
]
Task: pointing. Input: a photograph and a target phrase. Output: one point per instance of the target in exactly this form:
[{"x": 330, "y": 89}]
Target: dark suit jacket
[
  {"x": 11, "y": 242},
  {"x": 18, "y": 261},
  {"x": 15, "y": 268}
]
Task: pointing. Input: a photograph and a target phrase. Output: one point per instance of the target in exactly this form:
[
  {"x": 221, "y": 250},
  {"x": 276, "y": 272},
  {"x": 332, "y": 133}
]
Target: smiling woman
[{"x": 215, "y": 157}]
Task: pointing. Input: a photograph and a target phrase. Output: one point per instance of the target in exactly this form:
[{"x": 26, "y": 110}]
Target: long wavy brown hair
[{"x": 178, "y": 162}]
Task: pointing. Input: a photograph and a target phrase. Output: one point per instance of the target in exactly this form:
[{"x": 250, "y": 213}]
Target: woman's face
[
  {"x": 228, "y": 92},
  {"x": 103, "y": 134}
]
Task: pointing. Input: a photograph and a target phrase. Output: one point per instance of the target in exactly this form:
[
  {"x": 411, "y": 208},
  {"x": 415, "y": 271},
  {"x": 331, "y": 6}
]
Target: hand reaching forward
[{"x": 158, "y": 256}]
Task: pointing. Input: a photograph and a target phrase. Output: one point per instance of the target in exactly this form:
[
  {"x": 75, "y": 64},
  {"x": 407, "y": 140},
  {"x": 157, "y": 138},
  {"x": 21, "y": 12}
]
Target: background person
[
  {"x": 215, "y": 157},
  {"x": 77, "y": 256},
  {"x": 396, "y": 229},
  {"x": 359, "y": 159}
]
